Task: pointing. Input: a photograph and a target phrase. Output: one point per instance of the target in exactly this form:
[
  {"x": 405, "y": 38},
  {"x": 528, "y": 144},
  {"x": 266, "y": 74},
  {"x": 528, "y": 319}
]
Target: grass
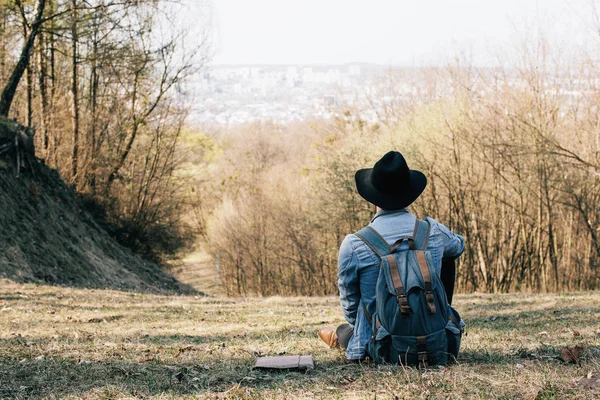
[{"x": 102, "y": 344}]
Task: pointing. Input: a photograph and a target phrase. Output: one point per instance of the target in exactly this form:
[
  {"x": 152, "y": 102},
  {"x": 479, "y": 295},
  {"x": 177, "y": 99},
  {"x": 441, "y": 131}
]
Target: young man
[{"x": 391, "y": 186}]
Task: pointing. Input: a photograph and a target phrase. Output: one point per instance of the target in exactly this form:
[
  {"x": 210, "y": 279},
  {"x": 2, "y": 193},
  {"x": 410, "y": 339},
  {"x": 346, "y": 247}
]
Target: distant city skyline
[
  {"x": 391, "y": 32},
  {"x": 235, "y": 95}
]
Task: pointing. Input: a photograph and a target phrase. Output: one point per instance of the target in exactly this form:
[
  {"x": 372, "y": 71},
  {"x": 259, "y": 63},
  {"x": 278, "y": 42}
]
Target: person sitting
[{"x": 391, "y": 186}]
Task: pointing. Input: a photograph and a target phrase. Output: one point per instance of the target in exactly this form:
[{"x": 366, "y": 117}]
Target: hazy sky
[{"x": 404, "y": 32}]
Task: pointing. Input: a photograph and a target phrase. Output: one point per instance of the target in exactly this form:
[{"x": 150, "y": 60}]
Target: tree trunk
[
  {"x": 90, "y": 172},
  {"x": 8, "y": 93},
  {"x": 51, "y": 151},
  {"x": 123, "y": 157},
  {"x": 74, "y": 92},
  {"x": 29, "y": 76},
  {"x": 3, "y": 49},
  {"x": 43, "y": 90},
  {"x": 29, "y": 96}
]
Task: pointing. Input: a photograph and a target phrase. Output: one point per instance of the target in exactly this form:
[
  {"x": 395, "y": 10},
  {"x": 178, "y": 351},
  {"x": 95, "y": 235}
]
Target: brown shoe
[{"x": 328, "y": 335}]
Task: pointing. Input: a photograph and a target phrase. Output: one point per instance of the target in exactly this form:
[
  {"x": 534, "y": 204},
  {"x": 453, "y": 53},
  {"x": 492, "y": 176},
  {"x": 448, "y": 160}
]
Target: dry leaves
[
  {"x": 184, "y": 349},
  {"x": 571, "y": 354},
  {"x": 590, "y": 383},
  {"x": 104, "y": 319}
]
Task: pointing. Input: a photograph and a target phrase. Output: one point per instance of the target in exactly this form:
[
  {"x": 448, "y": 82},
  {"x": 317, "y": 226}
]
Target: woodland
[
  {"x": 512, "y": 155},
  {"x": 98, "y": 85}
]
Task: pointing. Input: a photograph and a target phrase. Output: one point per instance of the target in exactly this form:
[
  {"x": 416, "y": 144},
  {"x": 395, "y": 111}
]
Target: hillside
[{"x": 46, "y": 235}]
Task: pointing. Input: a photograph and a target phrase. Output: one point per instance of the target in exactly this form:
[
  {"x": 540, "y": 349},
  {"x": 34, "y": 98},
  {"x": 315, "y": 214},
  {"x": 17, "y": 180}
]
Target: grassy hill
[
  {"x": 46, "y": 235},
  {"x": 65, "y": 343}
]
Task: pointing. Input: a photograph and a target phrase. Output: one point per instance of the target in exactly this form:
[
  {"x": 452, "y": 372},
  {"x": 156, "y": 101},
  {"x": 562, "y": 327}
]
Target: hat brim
[{"x": 417, "y": 184}]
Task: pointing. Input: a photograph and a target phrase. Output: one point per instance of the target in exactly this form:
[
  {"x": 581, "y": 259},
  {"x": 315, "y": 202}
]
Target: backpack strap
[
  {"x": 369, "y": 316},
  {"x": 421, "y": 237},
  {"x": 422, "y": 351},
  {"x": 380, "y": 246},
  {"x": 373, "y": 239},
  {"x": 456, "y": 322},
  {"x": 429, "y": 298},
  {"x": 400, "y": 292}
]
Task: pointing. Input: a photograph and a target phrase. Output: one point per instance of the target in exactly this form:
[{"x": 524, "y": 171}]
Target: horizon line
[{"x": 358, "y": 63}]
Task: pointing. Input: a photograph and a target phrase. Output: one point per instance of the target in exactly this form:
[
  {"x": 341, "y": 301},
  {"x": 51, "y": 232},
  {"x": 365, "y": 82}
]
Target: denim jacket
[{"x": 358, "y": 268}]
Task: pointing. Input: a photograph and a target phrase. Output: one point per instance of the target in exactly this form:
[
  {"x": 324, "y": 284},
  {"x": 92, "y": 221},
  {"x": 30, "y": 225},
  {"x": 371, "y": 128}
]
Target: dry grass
[{"x": 101, "y": 344}]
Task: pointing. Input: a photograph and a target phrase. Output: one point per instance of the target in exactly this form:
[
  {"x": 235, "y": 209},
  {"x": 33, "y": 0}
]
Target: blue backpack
[{"x": 413, "y": 324}]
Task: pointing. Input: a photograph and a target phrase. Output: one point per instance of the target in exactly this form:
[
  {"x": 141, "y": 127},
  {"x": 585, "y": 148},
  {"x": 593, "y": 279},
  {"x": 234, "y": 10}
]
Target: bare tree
[{"x": 8, "y": 93}]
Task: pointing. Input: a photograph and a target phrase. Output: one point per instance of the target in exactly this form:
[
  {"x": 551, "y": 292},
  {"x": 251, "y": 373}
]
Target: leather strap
[
  {"x": 400, "y": 293},
  {"x": 457, "y": 323},
  {"x": 422, "y": 351},
  {"x": 399, "y": 242},
  {"x": 419, "y": 238},
  {"x": 368, "y": 315},
  {"x": 429, "y": 297}
]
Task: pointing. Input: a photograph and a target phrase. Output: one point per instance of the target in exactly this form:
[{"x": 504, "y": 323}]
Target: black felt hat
[{"x": 390, "y": 184}]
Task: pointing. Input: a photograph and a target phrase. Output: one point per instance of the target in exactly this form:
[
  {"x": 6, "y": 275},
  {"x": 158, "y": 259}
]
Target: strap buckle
[
  {"x": 403, "y": 302},
  {"x": 422, "y": 351},
  {"x": 430, "y": 299}
]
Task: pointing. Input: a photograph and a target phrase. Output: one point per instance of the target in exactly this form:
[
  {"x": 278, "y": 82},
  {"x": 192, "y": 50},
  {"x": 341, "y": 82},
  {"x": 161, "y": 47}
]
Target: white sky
[{"x": 402, "y": 32}]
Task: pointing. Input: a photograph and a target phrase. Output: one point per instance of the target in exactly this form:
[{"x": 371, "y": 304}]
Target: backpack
[{"x": 413, "y": 324}]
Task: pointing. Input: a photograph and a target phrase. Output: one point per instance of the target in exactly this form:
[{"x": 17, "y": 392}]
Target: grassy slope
[
  {"x": 53, "y": 345},
  {"x": 46, "y": 236}
]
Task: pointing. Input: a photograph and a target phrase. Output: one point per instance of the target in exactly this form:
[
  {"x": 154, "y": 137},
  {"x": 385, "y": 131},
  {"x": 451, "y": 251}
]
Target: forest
[{"x": 512, "y": 158}]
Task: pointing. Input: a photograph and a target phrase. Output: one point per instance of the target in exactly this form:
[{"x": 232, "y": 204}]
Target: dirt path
[{"x": 199, "y": 271}]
